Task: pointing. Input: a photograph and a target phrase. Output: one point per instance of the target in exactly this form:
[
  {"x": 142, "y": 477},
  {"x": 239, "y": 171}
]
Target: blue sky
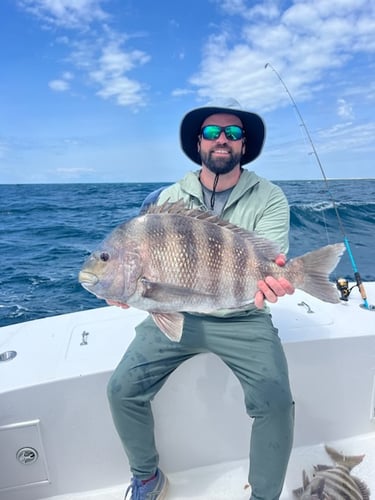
[{"x": 94, "y": 90}]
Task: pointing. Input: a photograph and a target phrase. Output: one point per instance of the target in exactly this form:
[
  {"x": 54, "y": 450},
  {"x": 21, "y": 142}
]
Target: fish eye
[{"x": 104, "y": 256}]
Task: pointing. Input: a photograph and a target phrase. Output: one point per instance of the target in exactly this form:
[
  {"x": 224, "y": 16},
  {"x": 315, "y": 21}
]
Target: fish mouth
[{"x": 87, "y": 279}]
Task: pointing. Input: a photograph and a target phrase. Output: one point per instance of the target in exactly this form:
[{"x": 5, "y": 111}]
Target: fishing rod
[{"x": 342, "y": 283}]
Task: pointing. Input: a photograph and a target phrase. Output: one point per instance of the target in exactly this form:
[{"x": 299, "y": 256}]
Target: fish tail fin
[
  {"x": 347, "y": 461},
  {"x": 313, "y": 270}
]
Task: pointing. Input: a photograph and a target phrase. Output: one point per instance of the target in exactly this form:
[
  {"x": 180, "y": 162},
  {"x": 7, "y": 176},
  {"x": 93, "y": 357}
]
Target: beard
[{"x": 220, "y": 165}]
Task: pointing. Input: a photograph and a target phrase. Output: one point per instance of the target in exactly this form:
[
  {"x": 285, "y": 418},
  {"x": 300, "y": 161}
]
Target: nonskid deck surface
[{"x": 226, "y": 481}]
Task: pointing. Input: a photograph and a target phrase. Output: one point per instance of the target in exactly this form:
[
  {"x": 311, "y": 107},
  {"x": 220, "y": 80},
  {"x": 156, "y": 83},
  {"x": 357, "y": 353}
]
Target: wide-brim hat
[{"x": 253, "y": 125}]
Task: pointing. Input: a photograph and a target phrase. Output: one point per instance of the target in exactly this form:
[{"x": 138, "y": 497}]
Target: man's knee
[
  {"x": 114, "y": 391},
  {"x": 120, "y": 387},
  {"x": 272, "y": 398}
]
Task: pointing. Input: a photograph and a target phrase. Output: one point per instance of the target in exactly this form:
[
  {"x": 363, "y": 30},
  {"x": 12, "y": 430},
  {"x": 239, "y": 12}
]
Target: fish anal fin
[{"x": 171, "y": 324}]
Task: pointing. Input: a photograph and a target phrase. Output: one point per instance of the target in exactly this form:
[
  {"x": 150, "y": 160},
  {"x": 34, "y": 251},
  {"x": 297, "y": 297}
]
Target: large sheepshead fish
[{"x": 173, "y": 259}]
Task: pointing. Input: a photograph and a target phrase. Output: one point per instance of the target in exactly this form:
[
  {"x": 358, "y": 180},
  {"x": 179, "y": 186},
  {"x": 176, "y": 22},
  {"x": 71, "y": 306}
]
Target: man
[{"x": 221, "y": 139}]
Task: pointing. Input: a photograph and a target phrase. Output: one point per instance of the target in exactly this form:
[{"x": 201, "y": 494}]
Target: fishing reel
[{"x": 342, "y": 285}]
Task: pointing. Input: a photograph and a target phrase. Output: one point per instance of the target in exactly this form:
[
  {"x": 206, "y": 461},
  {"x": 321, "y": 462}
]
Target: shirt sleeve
[
  {"x": 274, "y": 221},
  {"x": 151, "y": 199}
]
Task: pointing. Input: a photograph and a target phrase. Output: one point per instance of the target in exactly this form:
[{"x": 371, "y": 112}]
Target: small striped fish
[
  {"x": 173, "y": 260},
  {"x": 334, "y": 482}
]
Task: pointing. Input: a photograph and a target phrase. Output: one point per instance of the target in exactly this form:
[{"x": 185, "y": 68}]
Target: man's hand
[
  {"x": 271, "y": 288},
  {"x": 118, "y": 304}
]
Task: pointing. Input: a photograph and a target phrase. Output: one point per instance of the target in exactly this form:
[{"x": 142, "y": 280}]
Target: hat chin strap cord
[{"x": 212, "y": 201}]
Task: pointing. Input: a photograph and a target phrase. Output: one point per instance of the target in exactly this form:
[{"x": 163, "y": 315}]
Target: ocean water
[{"x": 47, "y": 231}]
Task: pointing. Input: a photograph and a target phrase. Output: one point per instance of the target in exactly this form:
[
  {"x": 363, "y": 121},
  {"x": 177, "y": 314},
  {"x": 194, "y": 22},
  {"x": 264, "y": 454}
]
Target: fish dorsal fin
[
  {"x": 268, "y": 249},
  {"x": 319, "y": 467},
  {"x": 167, "y": 207},
  {"x": 179, "y": 208}
]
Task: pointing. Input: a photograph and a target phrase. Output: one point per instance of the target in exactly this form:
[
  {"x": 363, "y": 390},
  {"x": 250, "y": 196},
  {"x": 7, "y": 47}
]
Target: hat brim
[{"x": 190, "y": 128}]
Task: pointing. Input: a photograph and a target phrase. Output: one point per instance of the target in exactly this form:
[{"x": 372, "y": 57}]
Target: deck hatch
[{"x": 22, "y": 459}]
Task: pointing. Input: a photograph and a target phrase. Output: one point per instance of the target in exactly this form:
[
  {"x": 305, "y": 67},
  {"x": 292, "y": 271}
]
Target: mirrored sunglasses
[{"x": 232, "y": 132}]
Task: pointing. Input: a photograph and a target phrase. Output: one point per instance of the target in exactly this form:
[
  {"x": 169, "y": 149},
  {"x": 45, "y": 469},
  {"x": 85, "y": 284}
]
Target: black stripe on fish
[
  {"x": 338, "y": 481},
  {"x": 213, "y": 255},
  {"x": 154, "y": 228},
  {"x": 186, "y": 245},
  {"x": 241, "y": 259}
]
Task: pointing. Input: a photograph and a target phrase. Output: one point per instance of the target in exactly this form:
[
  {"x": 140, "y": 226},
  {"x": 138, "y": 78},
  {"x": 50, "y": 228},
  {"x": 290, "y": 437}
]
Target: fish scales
[
  {"x": 173, "y": 260},
  {"x": 213, "y": 259},
  {"x": 205, "y": 257},
  {"x": 165, "y": 252},
  {"x": 217, "y": 260},
  {"x": 171, "y": 252}
]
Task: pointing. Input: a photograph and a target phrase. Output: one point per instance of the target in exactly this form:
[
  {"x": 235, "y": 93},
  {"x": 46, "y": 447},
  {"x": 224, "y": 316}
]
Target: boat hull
[{"x": 53, "y": 395}]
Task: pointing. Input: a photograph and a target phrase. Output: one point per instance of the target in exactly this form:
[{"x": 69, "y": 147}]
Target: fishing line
[{"x": 359, "y": 283}]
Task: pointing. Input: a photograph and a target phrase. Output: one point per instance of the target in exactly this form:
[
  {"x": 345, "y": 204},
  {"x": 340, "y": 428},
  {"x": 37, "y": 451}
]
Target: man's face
[{"x": 221, "y": 155}]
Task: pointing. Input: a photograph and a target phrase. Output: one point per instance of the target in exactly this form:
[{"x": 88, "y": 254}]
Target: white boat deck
[
  {"x": 299, "y": 317},
  {"x": 226, "y": 481},
  {"x": 52, "y": 398}
]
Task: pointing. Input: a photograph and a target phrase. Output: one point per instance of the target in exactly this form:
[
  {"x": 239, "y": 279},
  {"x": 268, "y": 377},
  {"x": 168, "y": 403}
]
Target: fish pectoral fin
[
  {"x": 243, "y": 305},
  {"x": 171, "y": 324},
  {"x": 156, "y": 291},
  {"x": 298, "y": 492}
]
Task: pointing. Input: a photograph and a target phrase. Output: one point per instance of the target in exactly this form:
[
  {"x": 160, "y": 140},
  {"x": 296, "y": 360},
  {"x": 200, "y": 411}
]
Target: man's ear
[
  {"x": 199, "y": 144},
  {"x": 243, "y": 150}
]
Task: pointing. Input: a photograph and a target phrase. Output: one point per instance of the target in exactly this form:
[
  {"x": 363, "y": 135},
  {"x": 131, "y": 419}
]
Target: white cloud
[
  {"x": 248, "y": 10},
  {"x": 126, "y": 92},
  {"x": 97, "y": 52},
  {"x": 307, "y": 40},
  {"x": 114, "y": 61},
  {"x": 66, "y": 13},
  {"x": 67, "y": 75},
  {"x": 109, "y": 72},
  {"x": 344, "y": 109},
  {"x": 59, "y": 85},
  {"x": 73, "y": 172},
  {"x": 181, "y": 92},
  {"x": 355, "y": 137}
]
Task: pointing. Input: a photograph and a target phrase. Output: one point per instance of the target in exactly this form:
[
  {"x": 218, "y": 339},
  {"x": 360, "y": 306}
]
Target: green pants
[{"x": 250, "y": 346}]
